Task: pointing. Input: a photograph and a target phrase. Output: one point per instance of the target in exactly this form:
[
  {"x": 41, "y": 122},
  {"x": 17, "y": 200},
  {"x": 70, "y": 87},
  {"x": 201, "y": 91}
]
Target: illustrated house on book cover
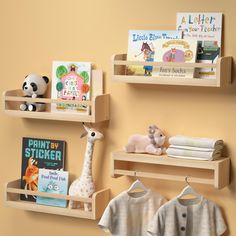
[
  {"x": 176, "y": 50},
  {"x": 39, "y": 153},
  {"x": 71, "y": 81},
  {"x": 51, "y": 181},
  {"x": 206, "y": 27},
  {"x": 142, "y": 47}
]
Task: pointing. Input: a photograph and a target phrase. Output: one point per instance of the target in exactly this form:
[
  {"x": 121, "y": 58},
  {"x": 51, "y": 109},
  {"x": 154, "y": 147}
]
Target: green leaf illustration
[
  {"x": 59, "y": 86},
  {"x": 61, "y": 71},
  {"x": 85, "y": 76}
]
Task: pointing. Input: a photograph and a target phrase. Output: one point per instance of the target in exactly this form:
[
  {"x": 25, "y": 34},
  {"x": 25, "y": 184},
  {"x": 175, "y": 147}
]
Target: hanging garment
[
  {"x": 188, "y": 217},
  {"x": 128, "y": 214}
]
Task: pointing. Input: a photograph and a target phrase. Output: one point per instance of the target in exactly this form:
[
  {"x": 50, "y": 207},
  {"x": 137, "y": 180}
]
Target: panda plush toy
[{"x": 34, "y": 86}]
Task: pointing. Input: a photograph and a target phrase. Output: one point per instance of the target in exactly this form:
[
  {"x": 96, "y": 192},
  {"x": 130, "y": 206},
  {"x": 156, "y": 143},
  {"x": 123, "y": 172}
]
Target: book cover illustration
[
  {"x": 205, "y": 27},
  {"x": 178, "y": 50},
  {"x": 52, "y": 181},
  {"x": 141, "y": 47},
  {"x": 39, "y": 153},
  {"x": 71, "y": 81}
]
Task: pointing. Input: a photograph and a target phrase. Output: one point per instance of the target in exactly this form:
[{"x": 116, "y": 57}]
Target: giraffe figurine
[{"x": 84, "y": 185}]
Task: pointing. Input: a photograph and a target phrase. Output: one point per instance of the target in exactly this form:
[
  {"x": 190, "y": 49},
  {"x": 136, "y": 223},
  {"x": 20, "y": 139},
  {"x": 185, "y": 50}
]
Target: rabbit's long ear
[
  {"x": 151, "y": 129},
  {"x": 154, "y": 127}
]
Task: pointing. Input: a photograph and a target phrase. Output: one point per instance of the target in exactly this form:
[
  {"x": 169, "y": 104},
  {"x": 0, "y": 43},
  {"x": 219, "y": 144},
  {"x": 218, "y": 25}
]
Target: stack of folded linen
[{"x": 195, "y": 148}]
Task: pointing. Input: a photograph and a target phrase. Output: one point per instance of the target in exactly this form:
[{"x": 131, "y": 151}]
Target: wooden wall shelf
[
  {"x": 162, "y": 167},
  {"x": 223, "y": 72},
  {"x": 99, "y": 201},
  {"x": 99, "y": 108}
]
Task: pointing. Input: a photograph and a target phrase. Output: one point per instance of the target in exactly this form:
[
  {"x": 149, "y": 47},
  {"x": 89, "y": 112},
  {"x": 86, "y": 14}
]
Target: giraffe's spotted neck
[{"x": 87, "y": 166}]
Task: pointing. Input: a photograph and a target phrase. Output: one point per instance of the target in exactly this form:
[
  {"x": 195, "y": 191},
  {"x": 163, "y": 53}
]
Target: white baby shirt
[
  {"x": 188, "y": 218},
  {"x": 128, "y": 214}
]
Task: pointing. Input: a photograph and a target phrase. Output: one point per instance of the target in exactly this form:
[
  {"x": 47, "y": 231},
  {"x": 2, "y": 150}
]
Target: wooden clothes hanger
[
  {"x": 137, "y": 184},
  {"x": 188, "y": 190}
]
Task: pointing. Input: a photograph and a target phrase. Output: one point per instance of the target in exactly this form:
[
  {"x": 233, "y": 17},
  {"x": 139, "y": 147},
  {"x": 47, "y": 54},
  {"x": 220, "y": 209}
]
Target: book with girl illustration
[{"x": 142, "y": 47}]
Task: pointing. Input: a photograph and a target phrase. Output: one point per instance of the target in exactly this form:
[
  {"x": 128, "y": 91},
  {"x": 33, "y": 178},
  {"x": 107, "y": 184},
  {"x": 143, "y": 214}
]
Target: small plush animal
[
  {"x": 151, "y": 143},
  {"x": 84, "y": 185},
  {"x": 34, "y": 86}
]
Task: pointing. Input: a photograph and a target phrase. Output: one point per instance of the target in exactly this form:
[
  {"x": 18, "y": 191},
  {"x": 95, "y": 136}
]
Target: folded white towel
[
  {"x": 211, "y": 155},
  {"x": 197, "y": 148},
  {"x": 193, "y": 158},
  {"x": 180, "y": 140}
]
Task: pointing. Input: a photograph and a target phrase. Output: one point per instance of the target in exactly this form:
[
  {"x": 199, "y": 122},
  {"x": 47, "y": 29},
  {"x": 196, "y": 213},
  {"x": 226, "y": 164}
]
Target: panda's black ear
[{"x": 46, "y": 79}]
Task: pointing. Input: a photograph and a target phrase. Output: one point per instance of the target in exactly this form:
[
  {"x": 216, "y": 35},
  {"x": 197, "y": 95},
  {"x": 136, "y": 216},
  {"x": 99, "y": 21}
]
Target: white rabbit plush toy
[{"x": 151, "y": 143}]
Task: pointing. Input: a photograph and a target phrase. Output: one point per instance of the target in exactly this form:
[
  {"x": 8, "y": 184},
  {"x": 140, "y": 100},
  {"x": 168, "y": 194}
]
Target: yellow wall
[{"x": 34, "y": 33}]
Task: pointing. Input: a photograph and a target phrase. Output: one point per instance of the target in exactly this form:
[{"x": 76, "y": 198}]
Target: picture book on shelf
[
  {"x": 175, "y": 50},
  {"x": 142, "y": 47},
  {"x": 206, "y": 27},
  {"x": 52, "y": 181},
  {"x": 39, "y": 153},
  {"x": 71, "y": 81}
]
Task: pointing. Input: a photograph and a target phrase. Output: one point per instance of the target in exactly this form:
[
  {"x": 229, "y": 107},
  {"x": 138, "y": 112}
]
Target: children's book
[
  {"x": 206, "y": 27},
  {"x": 71, "y": 81},
  {"x": 142, "y": 47},
  {"x": 52, "y": 181},
  {"x": 39, "y": 153},
  {"x": 175, "y": 50}
]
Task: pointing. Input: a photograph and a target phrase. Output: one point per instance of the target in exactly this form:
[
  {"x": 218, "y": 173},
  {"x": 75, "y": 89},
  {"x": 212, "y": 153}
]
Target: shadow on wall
[
  {"x": 227, "y": 232},
  {"x": 233, "y": 71},
  {"x": 232, "y": 185},
  {"x": 226, "y": 153},
  {"x": 100, "y": 155}
]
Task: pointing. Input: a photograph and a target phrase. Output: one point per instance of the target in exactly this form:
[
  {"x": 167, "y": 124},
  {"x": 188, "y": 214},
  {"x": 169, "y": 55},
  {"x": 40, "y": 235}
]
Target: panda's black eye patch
[
  {"x": 93, "y": 134},
  {"x": 34, "y": 86},
  {"x": 23, "y": 85}
]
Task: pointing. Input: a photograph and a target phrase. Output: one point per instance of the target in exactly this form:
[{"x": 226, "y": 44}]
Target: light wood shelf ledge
[
  {"x": 99, "y": 201},
  {"x": 222, "y": 79},
  {"x": 214, "y": 173},
  {"x": 99, "y": 108},
  {"x": 98, "y": 105}
]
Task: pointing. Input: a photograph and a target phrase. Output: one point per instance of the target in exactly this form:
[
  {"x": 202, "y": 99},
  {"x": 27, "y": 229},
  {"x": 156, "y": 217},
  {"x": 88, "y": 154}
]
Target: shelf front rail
[
  {"x": 98, "y": 108},
  {"x": 121, "y": 164},
  {"x": 99, "y": 201},
  {"x": 222, "y": 76}
]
